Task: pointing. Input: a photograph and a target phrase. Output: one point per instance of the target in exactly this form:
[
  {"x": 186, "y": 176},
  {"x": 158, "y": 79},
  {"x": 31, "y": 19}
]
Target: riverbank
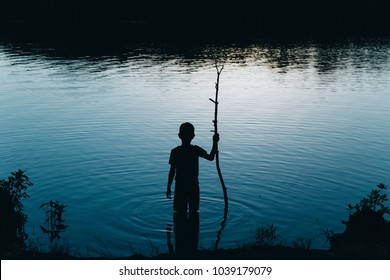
[
  {"x": 365, "y": 237},
  {"x": 252, "y": 253}
]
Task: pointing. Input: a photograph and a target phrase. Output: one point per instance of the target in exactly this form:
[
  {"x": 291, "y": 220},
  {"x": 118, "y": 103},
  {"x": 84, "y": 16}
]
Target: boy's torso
[{"x": 186, "y": 161}]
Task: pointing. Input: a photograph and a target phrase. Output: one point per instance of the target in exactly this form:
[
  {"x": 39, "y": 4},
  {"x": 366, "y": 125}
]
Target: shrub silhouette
[
  {"x": 367, "y": 231},
  {"x": 12, "y": 216}
]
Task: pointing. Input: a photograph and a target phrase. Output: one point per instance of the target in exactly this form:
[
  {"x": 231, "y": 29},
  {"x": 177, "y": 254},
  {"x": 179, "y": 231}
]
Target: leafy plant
[
  {"x": 54, "y": 221},
  {"x": 367, "y": 230},
  {"x": 373, "y": 203},
  {"x": 12, "y": 217},
  {"x": 369, "y": 214},
  {"x": 266, "y": 235}
]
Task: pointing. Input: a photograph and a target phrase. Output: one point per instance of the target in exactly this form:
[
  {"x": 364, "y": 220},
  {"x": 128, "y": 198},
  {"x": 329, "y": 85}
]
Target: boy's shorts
[{"x": 186, "y": 198}]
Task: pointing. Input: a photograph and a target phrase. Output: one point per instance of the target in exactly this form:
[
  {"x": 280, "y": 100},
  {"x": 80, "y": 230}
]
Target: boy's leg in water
[
  {"x": 186, "y": 232},
  {"x": 180, "y": 228},
  {"x": 193, "y": 232},
  {"x": 193, "y": 199},
  {"x": 180, "y": 199}
]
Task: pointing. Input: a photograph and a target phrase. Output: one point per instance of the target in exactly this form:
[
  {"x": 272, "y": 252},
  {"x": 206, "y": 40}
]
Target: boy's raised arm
[{"x": 211, "y": 156}]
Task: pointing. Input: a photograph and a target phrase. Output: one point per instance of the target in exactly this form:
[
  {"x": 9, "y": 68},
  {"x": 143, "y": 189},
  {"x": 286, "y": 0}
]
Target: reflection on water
[
  {"x": 186, "y": 233},
  {"x": 304, "y": 131},
  {"x": 323, "y": 56}
]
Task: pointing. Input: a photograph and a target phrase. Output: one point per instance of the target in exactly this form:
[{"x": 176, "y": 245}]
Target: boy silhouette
[{"x": 184, "y": 161}]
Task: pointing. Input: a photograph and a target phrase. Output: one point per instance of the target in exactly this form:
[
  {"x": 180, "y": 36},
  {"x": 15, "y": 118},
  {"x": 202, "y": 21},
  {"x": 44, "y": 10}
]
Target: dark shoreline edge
[
  {"x": 253, "y": 253},
  {"x": 110, "y": 33}
]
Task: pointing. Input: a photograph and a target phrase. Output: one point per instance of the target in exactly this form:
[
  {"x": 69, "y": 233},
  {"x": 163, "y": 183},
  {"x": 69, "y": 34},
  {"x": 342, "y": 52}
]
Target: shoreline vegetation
[
  {"x": 366, "y": 234},
  {"x": 191, "y": 20}
]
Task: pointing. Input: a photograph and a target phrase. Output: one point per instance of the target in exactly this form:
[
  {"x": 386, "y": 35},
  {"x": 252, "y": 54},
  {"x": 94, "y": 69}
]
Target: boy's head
[{"x": 186, "y": 132}]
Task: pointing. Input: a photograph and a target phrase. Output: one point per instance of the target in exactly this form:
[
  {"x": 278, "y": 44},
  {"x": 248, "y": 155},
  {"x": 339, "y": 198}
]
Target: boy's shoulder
[
  {"x": 175, "y": 149},
  {"x": 192, "y": 147}
]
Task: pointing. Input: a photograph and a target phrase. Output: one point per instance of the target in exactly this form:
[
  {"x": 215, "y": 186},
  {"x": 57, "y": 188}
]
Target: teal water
[{"x": 304, "y": 128}]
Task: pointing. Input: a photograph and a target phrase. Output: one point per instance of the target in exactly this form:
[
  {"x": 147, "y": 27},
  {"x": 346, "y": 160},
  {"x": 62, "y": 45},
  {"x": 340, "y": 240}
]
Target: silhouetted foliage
[
  {"x": 54, "y": 223},
  {"x": 267, "y": 236},
  {"x": 12, "y": 216},
  {"x": 367, "y": 231},
  {"x": 303, "y": 243}
]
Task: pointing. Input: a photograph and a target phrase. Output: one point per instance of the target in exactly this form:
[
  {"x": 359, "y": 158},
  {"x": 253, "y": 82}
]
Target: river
[{"x": 304, "y": 130}]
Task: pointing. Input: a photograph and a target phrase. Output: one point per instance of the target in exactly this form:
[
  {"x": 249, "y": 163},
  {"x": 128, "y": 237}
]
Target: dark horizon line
[
  {"x": 150, "y": 32},
  {"x": 194, "y": 20}
]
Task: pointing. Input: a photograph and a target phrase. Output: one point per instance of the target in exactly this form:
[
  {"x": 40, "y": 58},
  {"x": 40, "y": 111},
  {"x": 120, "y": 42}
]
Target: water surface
[{"x": 304, "y": 127}]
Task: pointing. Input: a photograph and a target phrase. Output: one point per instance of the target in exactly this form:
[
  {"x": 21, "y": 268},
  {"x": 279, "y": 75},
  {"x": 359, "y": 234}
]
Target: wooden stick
[
  {"x": 223, "y": 225},
  {"x": 215, "y": 121}
]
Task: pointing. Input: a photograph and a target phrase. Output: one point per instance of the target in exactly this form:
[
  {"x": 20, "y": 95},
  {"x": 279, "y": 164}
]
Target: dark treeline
[{"x": 190, "y": 18}]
